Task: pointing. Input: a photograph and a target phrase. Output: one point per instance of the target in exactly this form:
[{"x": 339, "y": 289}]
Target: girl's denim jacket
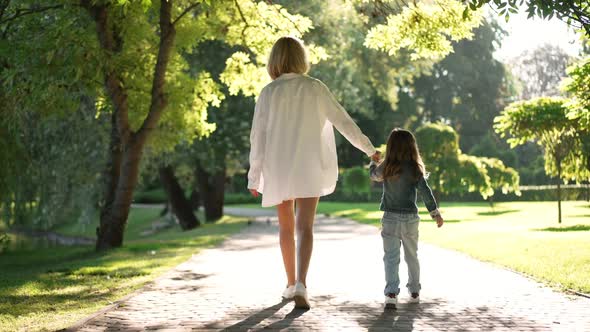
[{"x": 399, "y": 195}]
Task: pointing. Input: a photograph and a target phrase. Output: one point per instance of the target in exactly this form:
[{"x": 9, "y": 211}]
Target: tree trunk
[
  {"x": 491, "y": 201},
  {"x": 212, "y": 189},
  {"x": 195, "y": 199},
  {"x": 114, "y": 215},
  {"x": 181, "y": 207},
  {"x": 106, "y": 228}
]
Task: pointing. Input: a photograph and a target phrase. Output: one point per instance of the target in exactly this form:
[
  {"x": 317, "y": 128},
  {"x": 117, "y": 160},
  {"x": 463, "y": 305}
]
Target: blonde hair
[{"x": 288, "y": 55}]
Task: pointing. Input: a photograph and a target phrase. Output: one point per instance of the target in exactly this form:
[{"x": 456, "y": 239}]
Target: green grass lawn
[
  {"x": 52, "y": 288},
  {"x": 523, "y": 236}
]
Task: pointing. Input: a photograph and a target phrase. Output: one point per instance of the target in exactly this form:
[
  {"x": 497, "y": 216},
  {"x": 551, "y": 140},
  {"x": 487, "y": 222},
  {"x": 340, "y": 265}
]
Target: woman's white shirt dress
[{"x": 293, "y": 149}]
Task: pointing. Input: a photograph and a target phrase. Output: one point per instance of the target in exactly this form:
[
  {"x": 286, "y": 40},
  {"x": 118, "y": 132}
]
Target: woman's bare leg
[
  {"x": 306, "y": 209},
  {"x": 286, "y": 215}
]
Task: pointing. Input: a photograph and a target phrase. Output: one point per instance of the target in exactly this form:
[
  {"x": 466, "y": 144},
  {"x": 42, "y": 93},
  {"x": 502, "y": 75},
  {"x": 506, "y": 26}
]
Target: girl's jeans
[{"x": 398, "y": 230}]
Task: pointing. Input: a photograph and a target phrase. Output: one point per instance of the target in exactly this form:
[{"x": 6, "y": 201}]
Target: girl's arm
[
  {"x": 258, "y": 141},
  {"x": 428, "y": 198},
  {"x": 338, "y": 116},
  {"x": 376, "y": 171}
]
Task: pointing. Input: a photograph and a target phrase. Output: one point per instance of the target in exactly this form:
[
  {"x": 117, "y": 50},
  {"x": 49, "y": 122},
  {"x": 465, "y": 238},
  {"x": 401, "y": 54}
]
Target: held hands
[
  {"x": 254, "y": 193},
  {"x": 376, "y": 157},
  {"x": 439, "y": 221}
]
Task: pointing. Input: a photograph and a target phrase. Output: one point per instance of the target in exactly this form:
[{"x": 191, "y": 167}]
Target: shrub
[
  {"x": 154, "y": 196},
  {"x": 245, "y": 198},
  {"x": 356, "y": 180}
]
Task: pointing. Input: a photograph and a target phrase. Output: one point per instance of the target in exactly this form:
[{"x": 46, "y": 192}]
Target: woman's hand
[
  {"x": 254, "y": 193},
  {"x": 439, "y": 220},
  {"x": 376, "y": 157}
]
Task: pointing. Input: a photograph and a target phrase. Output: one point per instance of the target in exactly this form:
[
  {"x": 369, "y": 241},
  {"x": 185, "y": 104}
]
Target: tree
[
  {"x": 224, "y": 152},
  {"x": 468, "y": 88},
  {"x": 44, "y": 182},
  {"x": 502, "y": 178},
  {"x": 134, "y": 49},
  {"x": 576, "y": 85},
  {"x": 491, "y": 145},
  {"x": 439, "y": 147},
  {"x": 540, "y": 71},
  {"x": 575, "y": 13},
  {"x": 578, "y": 89},
  {"x": 527, "y": 159},
  {"x": 451, "y": 171},
  {"x": 181, "y": 206},
  {"x": 545, "y": 121},
  {"x": 423, "y": 28},
  {"x": 355, "y": 180}
]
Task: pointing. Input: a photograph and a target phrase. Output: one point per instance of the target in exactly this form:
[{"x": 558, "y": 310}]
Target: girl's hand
[
  {"x": 439, "y": 221},
  {"x": 255, "y": 193},
  {"x": 376, "y": 157}
]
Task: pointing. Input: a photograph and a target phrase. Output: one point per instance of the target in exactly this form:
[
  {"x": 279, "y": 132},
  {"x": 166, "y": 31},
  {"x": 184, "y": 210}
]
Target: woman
[{"x": 293, "y": 153}]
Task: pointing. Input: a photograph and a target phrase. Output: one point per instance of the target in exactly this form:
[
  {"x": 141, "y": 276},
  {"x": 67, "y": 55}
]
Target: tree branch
[
  {"x": 186, "y": 11},
  {"x": 3, "y": 5},
  {"x": 20, "y": 12},
  {"x": 109, "y": 40},
  {"x": 158, "y": 101},
  {"x": 247, "y": 25},
  {"x": 288, "y": 18}
]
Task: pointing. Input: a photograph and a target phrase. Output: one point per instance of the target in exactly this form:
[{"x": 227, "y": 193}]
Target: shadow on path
[
  {"x": 287, "y": 320},
  {"x": 435, "y": 314},
  {"x": 254, "y": 319}
]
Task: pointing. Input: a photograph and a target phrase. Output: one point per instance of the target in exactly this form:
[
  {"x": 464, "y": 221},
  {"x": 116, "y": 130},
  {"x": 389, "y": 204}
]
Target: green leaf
[
  {"x": 49, "y": 56},
  {"x": 465, "y": 13}
]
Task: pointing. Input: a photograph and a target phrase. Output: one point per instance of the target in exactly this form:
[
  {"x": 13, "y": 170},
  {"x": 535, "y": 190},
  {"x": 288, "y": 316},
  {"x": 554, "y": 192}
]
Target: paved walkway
[{"x": 237, "y": 287}]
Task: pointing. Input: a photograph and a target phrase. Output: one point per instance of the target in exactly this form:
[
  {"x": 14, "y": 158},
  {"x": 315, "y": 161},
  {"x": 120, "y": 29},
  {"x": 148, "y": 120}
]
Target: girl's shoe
[
  {"x": 414, "y": 298},
  {"x": 390, "y": 301},
  {"x": 300, "y": 297},
  {"x": 289, "y": 292}
]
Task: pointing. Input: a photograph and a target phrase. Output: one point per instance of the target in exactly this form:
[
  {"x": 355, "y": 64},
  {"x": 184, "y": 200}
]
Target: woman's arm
[
  {"x": 338, "y": 116},
  {"x": 258, "y": 141}
]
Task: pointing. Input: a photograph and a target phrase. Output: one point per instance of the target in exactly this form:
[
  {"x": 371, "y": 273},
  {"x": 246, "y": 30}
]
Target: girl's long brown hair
[{"x": 402, "y": 147}]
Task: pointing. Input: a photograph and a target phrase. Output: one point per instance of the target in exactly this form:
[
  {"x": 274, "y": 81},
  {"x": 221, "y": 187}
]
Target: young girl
[
  {"x": 402, "y": 174},
  {"x": 293, "y": 154}
]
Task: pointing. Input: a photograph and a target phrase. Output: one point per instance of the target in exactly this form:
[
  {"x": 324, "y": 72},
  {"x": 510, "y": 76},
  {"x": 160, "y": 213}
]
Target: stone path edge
[
  {"x": 77, "y": 325},
  {"x": 117, "y": 303}
]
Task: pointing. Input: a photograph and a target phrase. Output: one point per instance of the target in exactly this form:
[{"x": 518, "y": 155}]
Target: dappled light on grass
[
  {"x": 51, "y": 289},
  {"x": 359, "y": 215}
]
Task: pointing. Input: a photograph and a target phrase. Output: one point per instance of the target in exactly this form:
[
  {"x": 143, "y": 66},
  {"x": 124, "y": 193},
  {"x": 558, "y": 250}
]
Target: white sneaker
[
  {"x": 414, "y": 298},
  {"x": 300, "y": 297},
  {"x": 390, "y": 301},
  {"x": 289, "y": 292}
]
